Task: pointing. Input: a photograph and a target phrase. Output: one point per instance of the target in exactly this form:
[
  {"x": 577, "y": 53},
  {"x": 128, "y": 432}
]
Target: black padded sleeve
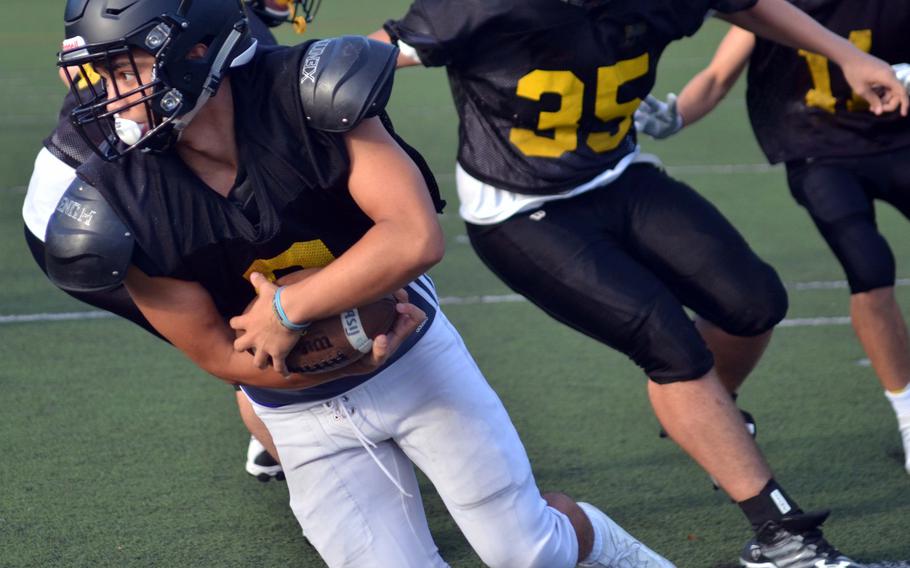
[
  {"x": 88, "y": 247},
  {"x": 344, "y": 80}
]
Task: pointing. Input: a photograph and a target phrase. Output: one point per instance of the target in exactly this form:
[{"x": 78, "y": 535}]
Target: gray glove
[
  {"x": 657, "y": 118},
  {"x": 902, "y": 70}
]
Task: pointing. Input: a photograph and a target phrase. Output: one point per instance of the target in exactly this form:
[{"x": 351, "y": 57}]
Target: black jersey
[
  {"x": 799, "y": 103},
  {"x": 65, "y": 142},
  {"x": 545, "y": 91},
  {"x": 290, "y": 206}
]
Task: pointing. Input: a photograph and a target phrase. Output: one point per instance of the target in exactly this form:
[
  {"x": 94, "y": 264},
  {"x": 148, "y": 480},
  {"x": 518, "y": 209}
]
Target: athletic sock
[
  {"x": 900, "y": 402},
  {"x": 598, "y": 547},
  {"x": 771, "y": 504}
]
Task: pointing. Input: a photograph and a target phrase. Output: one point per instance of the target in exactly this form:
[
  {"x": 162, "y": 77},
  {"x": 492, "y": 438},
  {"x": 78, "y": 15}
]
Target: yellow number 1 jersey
[
  {"x": 545, "y": 91},
  {"x": 800, "y": 104}
]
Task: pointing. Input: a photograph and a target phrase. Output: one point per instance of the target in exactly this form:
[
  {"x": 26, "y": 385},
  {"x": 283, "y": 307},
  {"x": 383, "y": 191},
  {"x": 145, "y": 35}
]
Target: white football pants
[{"x": 433, "y": 409}]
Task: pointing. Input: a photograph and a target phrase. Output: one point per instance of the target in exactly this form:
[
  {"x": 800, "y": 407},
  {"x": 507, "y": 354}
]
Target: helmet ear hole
[{"x": 198, "y": 51}]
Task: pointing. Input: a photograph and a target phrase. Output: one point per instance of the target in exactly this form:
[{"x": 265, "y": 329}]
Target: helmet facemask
[
  {"x": 96, "y": 115},
  {"x": 170, "y": 93}
]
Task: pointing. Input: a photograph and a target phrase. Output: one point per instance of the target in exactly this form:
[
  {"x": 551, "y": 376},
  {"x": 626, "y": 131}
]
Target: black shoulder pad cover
[
  {"x": 344, "y": 80},
  {"x": 87, "y": 247}
]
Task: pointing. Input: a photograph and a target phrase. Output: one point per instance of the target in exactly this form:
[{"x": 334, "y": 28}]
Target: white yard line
[{"x": 491, "y": 299}]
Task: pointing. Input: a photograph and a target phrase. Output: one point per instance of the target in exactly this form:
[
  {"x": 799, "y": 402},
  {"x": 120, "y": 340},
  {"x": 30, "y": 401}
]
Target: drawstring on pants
[{"x": 338, "y": 406}]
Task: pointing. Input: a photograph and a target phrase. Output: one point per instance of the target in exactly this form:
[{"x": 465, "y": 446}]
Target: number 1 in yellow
[{"x": 820, "y": 96}]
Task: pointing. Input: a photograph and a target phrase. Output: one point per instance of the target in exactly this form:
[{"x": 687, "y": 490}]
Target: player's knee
[
  {"x": 758, "y": 306},
  {"x": 550, "y": 543},
  {"x": 667, "y": 346},
  {"x": 863, "y": 252}
]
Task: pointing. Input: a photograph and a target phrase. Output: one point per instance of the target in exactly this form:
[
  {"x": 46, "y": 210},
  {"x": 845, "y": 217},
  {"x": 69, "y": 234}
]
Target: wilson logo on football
[{"x": 313, "y": 345}]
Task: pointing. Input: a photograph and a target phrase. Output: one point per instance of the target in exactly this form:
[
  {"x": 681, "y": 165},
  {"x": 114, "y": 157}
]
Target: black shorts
[
  {"x": 619, "y": 263},
  {"x": 839, "y": 195},
  {"x": 116, "y": 301}
]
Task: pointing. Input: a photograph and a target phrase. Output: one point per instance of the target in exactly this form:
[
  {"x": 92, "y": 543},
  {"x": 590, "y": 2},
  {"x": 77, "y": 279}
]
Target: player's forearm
[
  {"x": 388, "y": 256},
  {"x": 699, "y": 97},
  {"x": 238, "y": 368},
  {"x": 705, "y": 91},
  {"x": 783, "y": 23}
]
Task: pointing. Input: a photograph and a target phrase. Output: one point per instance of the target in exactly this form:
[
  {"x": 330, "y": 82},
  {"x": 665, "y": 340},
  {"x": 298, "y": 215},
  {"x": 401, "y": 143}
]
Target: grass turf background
[{"x": 116, "y": 451}]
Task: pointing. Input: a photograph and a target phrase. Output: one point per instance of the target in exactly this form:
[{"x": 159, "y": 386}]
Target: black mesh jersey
[
  {"x": 290, "y": 207},
  {"x": 800, "y": 104},
  {"x": 67, "y": 145},
  {"x": 545, "y": 91},
  {"x": 64, "y": 142}
]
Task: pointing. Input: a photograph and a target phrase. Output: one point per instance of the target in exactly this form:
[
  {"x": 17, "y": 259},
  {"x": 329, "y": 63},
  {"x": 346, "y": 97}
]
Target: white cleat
[{"x": 620, "y": 549}]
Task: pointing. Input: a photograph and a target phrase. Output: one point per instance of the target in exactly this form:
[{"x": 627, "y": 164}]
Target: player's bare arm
[
  {"x": 185, "y": 314},
  {"x": 868, "y": 76},
  {"x": 661, "y": 119},
  {"x": 405, "y": 241},
  {"x": 706, "y": 89}
]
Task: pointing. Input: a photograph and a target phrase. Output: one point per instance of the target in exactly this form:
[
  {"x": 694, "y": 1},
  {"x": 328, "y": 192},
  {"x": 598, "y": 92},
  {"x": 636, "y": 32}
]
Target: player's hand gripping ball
[{"x": 335, "y": 342}]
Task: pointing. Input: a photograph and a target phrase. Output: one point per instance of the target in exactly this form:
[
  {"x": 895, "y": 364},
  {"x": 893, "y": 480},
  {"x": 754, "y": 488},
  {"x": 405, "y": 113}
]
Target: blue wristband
[{"x": 283, "y": 317}]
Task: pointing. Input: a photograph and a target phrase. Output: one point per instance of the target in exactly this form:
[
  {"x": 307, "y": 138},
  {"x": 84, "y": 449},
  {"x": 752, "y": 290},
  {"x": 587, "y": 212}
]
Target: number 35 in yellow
[{"x": 564, "y": 121}]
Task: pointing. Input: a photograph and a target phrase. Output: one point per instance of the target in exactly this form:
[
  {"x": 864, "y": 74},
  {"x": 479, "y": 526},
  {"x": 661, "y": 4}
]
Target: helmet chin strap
[{"x": 215, "y": 76}]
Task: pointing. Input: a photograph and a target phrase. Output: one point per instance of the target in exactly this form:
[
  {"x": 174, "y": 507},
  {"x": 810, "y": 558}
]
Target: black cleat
[
  {"x": 794, "y": 542},
  {"x": 260, "y": 464}
]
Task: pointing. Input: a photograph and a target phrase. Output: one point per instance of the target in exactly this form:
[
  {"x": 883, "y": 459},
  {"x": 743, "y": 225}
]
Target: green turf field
[{"x": 116, "y": 451}]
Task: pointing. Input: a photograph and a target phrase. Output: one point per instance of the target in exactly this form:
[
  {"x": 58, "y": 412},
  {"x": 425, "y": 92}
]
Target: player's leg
[
  {"x": 688, "y": 243},
  {"x": 357, "y": 506},
  {"x": 735, "y": 356},
  {"x": 838, "y": 196},
  {"x": 707, "y": 265},
  {"x": 452, "y": 425},
  {"x": 261, "y": 455},
  {"x": 579, "y": 273},
  {"x": 571, "y": 263}
]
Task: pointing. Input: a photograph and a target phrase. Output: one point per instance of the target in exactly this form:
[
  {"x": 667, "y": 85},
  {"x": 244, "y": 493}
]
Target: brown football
[
  {"x": 337, "y": 341},
  {"x": 334, "y": 342}
]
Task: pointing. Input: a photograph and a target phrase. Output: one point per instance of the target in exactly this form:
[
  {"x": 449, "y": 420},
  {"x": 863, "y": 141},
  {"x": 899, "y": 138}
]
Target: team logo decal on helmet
[{"x": 109, "y": 35}]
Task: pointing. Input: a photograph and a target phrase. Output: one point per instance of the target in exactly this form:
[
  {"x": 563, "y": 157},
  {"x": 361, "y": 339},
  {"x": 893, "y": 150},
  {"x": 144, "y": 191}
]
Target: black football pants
[
  {"x": 619, "y": 264},
  {"x": 839, "y": 195}
]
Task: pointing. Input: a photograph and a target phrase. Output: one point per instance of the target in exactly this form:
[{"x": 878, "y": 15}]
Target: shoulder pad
[
  {"x": 87, "y": 247},
  {"x": 344, "y": 80}
]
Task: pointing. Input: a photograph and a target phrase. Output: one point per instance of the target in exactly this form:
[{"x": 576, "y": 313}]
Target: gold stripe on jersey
[{"x": 308, "y": 254}]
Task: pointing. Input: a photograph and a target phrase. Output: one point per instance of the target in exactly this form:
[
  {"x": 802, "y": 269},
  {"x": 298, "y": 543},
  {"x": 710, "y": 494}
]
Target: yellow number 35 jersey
[{"x": 545, "y": 90}]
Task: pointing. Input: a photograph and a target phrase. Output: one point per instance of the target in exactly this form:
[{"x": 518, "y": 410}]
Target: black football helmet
[
  {"x": 277, "y": 12},
  {"x": 100, "y": 31}
]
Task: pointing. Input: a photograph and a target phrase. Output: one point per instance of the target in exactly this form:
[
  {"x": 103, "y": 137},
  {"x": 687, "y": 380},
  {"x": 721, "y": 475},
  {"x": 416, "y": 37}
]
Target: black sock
[{"x": 771, "y": 504}]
